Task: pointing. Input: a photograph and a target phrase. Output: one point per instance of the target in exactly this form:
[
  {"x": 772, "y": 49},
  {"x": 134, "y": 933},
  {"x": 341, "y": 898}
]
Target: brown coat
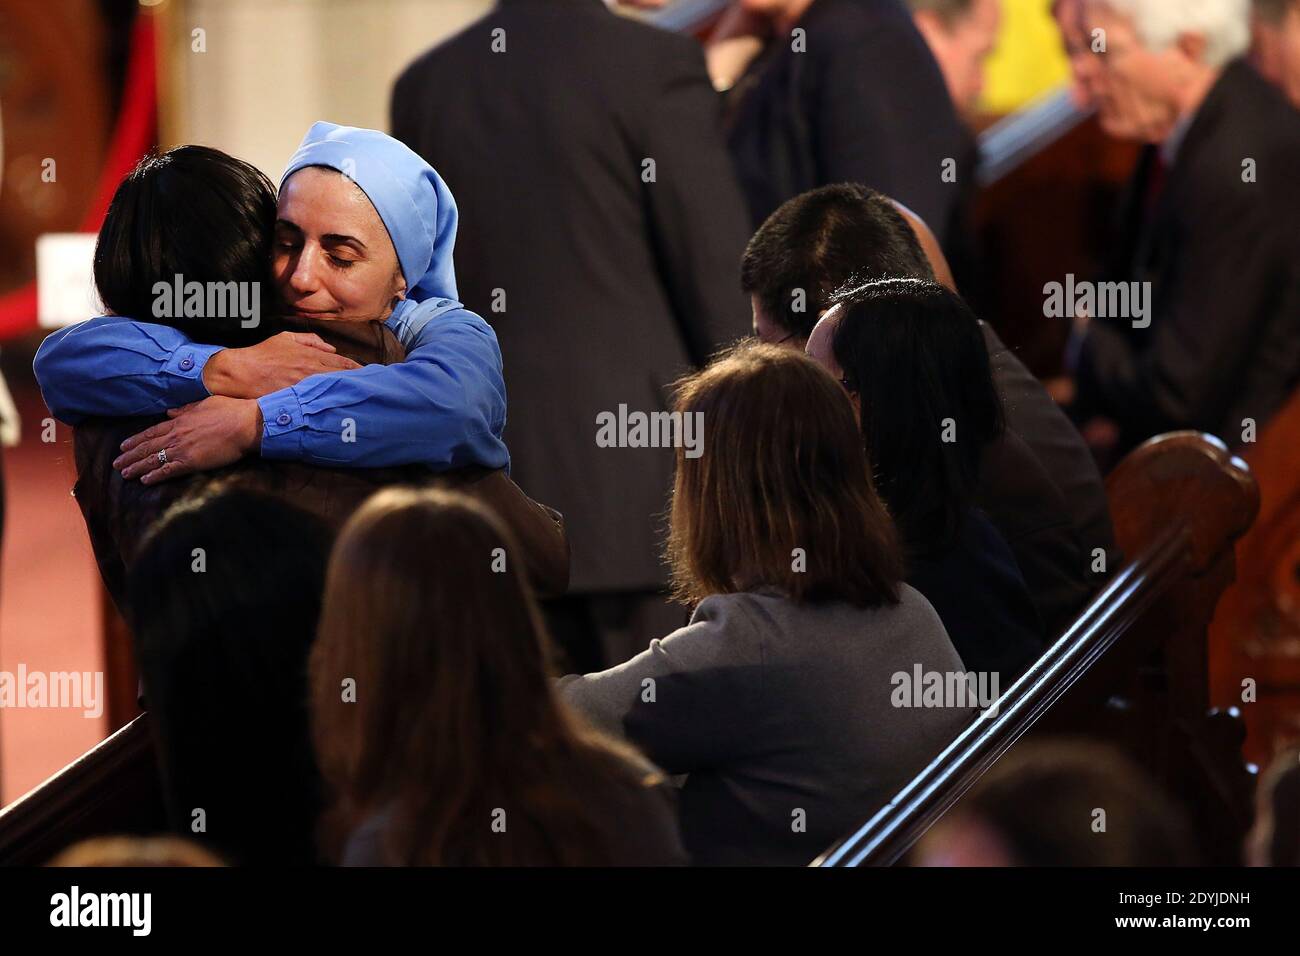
[{"x": 118, "y": 513}]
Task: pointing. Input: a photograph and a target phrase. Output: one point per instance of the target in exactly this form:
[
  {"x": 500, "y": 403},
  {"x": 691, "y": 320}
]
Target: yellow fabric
[{"x": 1029, "y": 59}]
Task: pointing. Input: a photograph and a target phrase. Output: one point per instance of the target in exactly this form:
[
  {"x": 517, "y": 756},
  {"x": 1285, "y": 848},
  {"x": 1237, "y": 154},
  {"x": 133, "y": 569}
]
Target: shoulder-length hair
[
  {"x": 914, "y": 354},
  {"x": 451, "y": 716},
  {"x": 780, "y": 495}
]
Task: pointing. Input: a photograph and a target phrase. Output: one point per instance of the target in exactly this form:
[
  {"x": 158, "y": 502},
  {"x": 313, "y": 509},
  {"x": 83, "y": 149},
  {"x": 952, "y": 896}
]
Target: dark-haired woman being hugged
[
  {"x": 438, "y": 731},
  {"x": 781, "y": 698}
]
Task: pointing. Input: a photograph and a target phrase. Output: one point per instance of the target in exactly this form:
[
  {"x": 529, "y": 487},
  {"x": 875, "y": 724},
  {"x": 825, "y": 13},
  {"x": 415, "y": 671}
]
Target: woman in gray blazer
[{"x": 805, "y": 691}]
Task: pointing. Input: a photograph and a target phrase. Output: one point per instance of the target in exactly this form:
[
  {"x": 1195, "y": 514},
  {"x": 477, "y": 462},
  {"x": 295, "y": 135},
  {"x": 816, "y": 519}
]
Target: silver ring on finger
[{"x": 162, "y": 456}]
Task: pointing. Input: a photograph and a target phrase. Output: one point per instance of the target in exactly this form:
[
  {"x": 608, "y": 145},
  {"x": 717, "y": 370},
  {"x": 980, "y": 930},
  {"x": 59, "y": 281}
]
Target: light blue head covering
[{"x": 410, "y": 197}]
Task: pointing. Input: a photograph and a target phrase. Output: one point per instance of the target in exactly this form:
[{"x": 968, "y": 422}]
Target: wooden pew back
[{"x": 1132, "y": 668}]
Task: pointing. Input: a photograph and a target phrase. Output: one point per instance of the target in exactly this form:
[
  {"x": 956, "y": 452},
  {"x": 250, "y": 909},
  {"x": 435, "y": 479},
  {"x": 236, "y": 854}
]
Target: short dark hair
[
  {"x": 914, "y": 354},
  {"x": 192, "y": 211},
  {"x": 223, "y": 649},
  {"x": 816, "y": 242}
]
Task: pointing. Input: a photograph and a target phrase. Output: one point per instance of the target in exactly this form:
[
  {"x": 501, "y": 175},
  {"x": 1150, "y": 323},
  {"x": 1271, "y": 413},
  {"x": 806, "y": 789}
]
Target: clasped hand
[{"x": 223, "y": 428}]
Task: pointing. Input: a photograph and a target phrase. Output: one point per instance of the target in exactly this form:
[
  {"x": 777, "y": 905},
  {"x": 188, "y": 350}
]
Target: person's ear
[
  {"x": 1192, "y": 46},
  {"x": 931, "y": 26},
  {"x": 399, "y": 286}
]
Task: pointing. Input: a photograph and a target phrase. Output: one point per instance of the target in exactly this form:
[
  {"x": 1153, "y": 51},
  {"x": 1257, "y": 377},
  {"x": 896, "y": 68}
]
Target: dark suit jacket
[
  {"x": 864, "y": 103},
  {"x": 1033, "y": 416},
  {"x": 1027, "y": 508},
  {"x": 1223, "y": 257},
  {"x": 980, "y": 595},
  {"x": 612, "y": 286}
]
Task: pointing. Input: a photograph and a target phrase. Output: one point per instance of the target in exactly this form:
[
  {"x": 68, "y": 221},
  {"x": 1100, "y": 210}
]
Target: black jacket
[
  {"x": 863, "y": 101},
  {"x": 1223, "y": 257},
  {"x": 976, "y": 588},
  {"x": 602, "y": 287},
  {"x": 1057, "y": 560}
]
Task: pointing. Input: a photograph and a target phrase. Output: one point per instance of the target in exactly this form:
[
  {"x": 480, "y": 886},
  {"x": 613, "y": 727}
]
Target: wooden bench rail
[
  {"x": 1179, "y": 502},
  {"x": 111, "y": 788}
]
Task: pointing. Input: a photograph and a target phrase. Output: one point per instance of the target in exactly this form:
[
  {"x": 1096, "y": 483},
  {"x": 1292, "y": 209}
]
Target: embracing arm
[
  {"x": 115, "y": 367},
  {"x": 443, "y": 407}
]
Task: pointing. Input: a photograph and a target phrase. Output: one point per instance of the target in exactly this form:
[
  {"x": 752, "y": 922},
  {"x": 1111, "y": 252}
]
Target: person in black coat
[
  {"x": 1036, "y": 481},
  {"x": 910, "y": 355},
  {"x": 1217, "y": 347},
  {"x": 600, "y": 226},
  {"x": 849, "y": 92}
]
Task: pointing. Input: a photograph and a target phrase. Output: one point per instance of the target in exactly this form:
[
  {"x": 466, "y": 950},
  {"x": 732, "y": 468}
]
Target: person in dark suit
[
  {"x": 1037, "y": 482},
  {"x": 600, "y": 227},
  {"x": 1218, "y": 347},
  {"x": 848, "y": 91}
]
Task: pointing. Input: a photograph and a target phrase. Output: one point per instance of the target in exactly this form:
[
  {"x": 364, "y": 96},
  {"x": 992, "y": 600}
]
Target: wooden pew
[
  {"x": 1256, "y": 632},
  {"x": 1132, "y": 669},
  {"x": 113, "y": 788}
]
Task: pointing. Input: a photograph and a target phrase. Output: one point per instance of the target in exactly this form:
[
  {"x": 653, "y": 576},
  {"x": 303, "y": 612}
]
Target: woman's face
[{"x": 333, "y": 258}]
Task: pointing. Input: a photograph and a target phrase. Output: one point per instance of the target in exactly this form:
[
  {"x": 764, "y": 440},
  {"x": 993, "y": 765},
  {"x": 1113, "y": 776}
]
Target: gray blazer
[{"x": 783, "y": 715}]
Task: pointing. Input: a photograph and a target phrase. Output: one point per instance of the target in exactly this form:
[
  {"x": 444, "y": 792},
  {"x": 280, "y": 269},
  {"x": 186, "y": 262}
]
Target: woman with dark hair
[
  {"x": 911, "y": 356},
  {"x": 436, "y": 725},
  {"x": 223, "y": 600},
  {"x": 363, "y": 230},
  {"x": 780, "y": 697},
  {"x": 206, "y": 217}
]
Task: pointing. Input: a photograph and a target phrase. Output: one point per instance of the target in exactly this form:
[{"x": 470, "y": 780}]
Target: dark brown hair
[
  {"x": 782, "y": 477},
  {"x": 428, "y": 611}
]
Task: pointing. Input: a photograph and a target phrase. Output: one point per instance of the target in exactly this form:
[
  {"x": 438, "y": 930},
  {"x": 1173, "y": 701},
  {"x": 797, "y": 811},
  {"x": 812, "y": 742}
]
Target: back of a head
[
  {"x": 914, "y": 354},
  {"x": 815, "y": 243},
  {"x": 192, "y": 212},
  {"x": 1079, "y": 803},
  {"x": 133, "y": 851},
  {"x": 223, "y": 598},
  {"x": 782, "y": 479},
  {"x": 429, "y": 616}
]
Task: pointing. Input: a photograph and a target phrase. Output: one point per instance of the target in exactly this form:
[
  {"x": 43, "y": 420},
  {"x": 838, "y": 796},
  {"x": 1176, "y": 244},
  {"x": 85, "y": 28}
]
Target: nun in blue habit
[{"x": 443, "y": 407}]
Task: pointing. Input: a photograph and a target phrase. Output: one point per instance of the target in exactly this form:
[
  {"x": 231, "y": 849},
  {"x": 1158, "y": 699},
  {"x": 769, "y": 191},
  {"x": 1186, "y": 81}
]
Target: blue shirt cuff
[
  {"x": 282, "y": 424},
  {"x": 187, "y": 363}
]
